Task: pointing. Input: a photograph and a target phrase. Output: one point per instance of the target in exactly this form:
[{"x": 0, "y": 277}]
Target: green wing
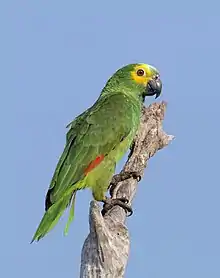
[{"x": 95, "y": 132}]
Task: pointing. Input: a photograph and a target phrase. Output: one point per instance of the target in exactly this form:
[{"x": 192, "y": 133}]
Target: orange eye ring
[{"x": 140, "y": 72}]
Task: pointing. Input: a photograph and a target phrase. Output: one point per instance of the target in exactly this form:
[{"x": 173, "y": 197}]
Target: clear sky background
[{"x": 55, "y": 58}]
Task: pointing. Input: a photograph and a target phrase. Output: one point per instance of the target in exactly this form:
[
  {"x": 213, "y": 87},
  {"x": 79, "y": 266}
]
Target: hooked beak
[{"x": 154, "y": 87}]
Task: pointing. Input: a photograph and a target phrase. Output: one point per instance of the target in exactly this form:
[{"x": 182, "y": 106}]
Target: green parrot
[{"x": 97, "y": 139}]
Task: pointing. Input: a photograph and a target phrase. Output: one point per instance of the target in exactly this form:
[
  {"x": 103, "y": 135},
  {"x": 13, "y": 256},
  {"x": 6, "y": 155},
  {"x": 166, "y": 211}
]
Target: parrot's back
[{"x": 97, "y": 139}]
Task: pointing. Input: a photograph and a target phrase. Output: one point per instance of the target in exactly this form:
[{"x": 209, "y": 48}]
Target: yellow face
[{"x": 143, "y": 73}]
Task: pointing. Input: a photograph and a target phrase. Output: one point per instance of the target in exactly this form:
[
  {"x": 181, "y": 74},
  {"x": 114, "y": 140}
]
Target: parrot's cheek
[{"x": 154, "y": 87}]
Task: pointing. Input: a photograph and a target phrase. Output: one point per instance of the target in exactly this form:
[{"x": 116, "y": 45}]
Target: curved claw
[
  {"x": 122, "y": 202},
  {"x": 136, "y": 175},
  {"x": 121, "y": 177}
]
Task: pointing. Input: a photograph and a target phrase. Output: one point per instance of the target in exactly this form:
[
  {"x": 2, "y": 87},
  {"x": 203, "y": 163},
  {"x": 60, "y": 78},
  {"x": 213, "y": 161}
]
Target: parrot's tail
[{"x": 53, "y": 214}]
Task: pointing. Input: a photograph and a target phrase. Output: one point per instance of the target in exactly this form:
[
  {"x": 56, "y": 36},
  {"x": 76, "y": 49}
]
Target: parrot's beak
[{"x": 154, "y": 87}]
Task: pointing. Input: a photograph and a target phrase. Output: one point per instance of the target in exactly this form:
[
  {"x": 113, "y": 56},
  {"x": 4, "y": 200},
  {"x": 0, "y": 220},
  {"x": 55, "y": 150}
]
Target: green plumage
[{"x": 104, "y": 130}]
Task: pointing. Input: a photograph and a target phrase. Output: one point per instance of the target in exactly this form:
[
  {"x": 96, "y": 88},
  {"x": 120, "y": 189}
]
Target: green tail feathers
[
  {"x": 53, "y": 214},
  {"x": 71, "y": 213}
]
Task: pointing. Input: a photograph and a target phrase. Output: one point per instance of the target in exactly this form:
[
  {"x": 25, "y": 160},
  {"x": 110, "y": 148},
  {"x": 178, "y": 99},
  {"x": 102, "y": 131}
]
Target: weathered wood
[{"x": 106, "y": 249}]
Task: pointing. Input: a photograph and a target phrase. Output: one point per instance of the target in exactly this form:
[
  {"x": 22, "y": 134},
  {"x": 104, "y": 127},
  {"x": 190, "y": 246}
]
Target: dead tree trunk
[{"x": 106, "y": 249}]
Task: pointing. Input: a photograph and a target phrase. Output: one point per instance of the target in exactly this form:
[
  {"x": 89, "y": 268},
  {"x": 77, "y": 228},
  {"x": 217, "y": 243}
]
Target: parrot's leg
[
  {"x": 121, "y": 177},
  {"x": 110, "y": 203}
]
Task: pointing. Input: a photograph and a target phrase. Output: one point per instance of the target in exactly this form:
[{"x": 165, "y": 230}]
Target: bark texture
[{"x": 106, "y": 249}]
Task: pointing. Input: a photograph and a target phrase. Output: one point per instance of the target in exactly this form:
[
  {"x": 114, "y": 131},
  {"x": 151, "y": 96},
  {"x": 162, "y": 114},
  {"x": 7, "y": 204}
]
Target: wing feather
[{"x": 95, "y": 132}]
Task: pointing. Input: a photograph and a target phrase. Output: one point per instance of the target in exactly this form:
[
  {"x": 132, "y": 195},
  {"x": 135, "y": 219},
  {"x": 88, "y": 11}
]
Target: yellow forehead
[{"x": 141, "y": 79}]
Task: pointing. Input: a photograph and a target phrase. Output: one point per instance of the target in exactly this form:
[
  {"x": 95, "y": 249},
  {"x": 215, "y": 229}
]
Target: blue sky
[{"x": 55, "y": 58}]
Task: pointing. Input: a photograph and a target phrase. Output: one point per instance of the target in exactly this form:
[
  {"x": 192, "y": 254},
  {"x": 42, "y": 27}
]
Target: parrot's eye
[{"x": 140, "y": 72}]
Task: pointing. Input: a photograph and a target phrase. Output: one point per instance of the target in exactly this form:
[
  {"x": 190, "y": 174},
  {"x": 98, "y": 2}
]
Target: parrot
[{"x": 96, "y": 140}]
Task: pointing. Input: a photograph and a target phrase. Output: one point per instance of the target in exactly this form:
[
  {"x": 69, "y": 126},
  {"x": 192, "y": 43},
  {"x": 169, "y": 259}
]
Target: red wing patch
[{"x": 94, "y": 163}]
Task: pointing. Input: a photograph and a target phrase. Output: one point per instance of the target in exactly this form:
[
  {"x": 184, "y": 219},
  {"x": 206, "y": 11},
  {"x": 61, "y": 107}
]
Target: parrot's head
[{"x": 140, "y": 79}]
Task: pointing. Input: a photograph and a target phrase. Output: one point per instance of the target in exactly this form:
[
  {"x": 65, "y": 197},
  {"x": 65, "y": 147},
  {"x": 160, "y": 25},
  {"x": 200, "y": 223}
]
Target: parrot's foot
[
  {"x": 121, "y": 177},
  {"x": 122, "y": 202}
]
